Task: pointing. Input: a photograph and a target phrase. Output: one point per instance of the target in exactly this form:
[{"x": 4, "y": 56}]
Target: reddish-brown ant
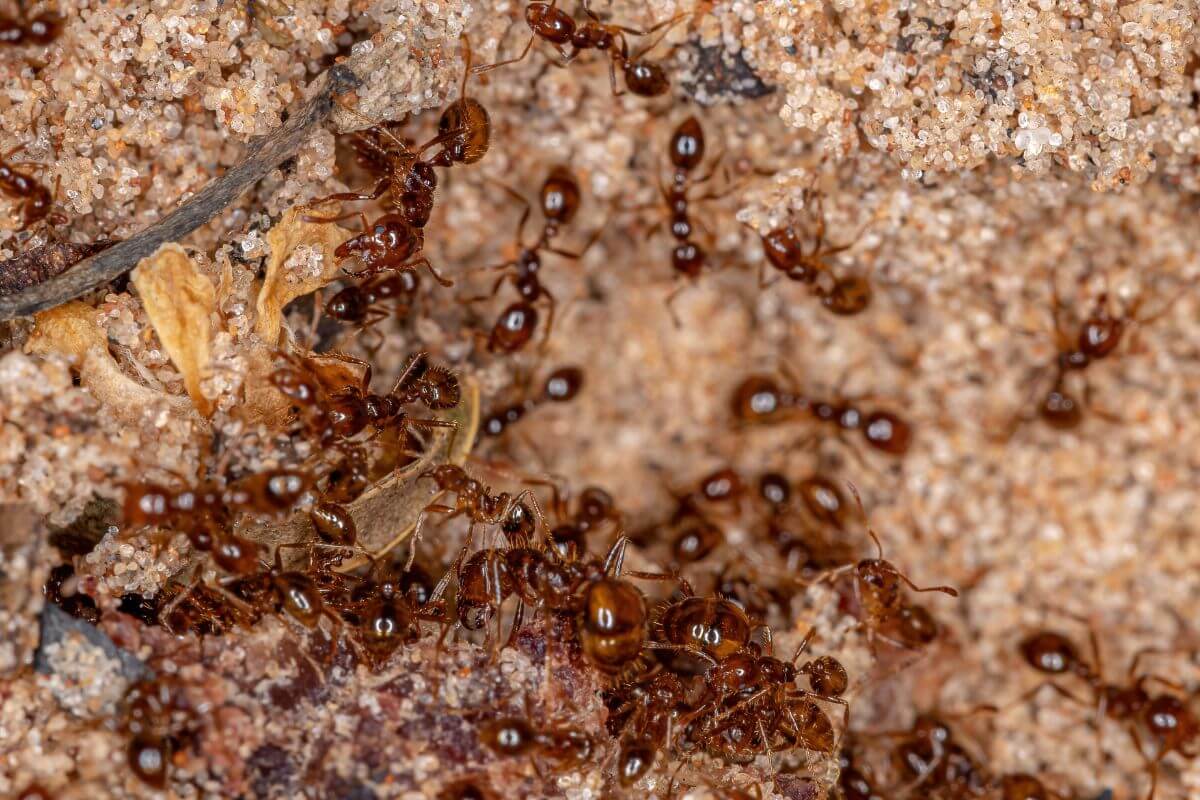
[
  {"x": 513, "y": 736},
  {"x": 346, "y": 412},
  {"x": 158, "y": 716},
  {"x": 464, "y": 131},
  {"x": 1098, "y": 337},
  {"x": 561, "y": 386},
  {"x": 553, "y": 25},
  {"x": 362, "y": 304},
  {"x": 16, "y": 183},
  {"x": 761, "y": 399},
  {"x": 1172, "y": 725},
  {"x": 928, "y": 756},
  {"x": 387, "y": 244},
  {"x": 877, "y": 589},
  {"x": 42, "y": 30},
  {"x": 560, "y": 198},
  {"x": 784, "y": 251}
]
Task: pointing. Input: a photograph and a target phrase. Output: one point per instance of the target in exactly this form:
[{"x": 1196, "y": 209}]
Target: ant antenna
[
  {"x": 808, "y": 637},
  {"x": 863, "y": 511}
]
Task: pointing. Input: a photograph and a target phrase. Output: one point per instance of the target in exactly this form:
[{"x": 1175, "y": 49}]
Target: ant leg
[
  {"x": 950, "y": 590},
  {"x": 665, "y": 24},
  {"x": 495, "y": 288},
  {"x": 424, "y": 262},
  {"x": 662, "y": 576},
  {"x": 355, "y": 361},
  {"x": 670, "y": 303},
  {"x": 489, "y": 67},
  {"x": 380, "y": 189},
  {"x": 612, "y": 75},
  {"x": 550, "y": 304}
]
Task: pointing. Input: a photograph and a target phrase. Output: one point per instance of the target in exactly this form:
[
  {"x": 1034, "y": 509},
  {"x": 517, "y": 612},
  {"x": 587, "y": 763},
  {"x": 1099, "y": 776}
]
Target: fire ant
[
  {"x": 928, "y": 756},
  {"x": 36, "y": 200},
  {"x": 561, "y": 386},
  {"x": 553, "y": 25},
  {"x": 560, "y": 199},
  {"x": 361, "y": 304},
  {"x": 760, "y": 399},
  {"x": 1098, "y": 337},
  {"x": 464, "y": 130},
  {"x": 511, "y": 736},
  {"x": 158, "y": 717},
  {"x": 595, "y": 507},
  {"x": 41, "y": 30},
  {"x": 784, "y": 250},
  {"x": 348, "y": 411},
  {"x": 1168, "y": 720},
  {"x": 877, "y": 587}
]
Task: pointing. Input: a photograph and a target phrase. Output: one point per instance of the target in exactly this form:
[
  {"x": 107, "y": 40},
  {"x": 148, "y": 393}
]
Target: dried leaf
[
  {"x": 283, "y": 285},
  {"x": 72, "y": 330},
  {"x": 180, "y": 301},
  {"x": 386, "y": 513}
]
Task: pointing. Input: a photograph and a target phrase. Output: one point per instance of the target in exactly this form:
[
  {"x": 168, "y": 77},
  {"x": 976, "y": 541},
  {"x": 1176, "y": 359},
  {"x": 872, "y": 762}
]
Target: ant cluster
[{"x": 688, "y": 677}]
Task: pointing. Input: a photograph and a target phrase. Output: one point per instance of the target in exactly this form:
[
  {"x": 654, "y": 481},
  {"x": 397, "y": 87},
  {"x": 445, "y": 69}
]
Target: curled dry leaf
[
  {"x": 71, "y": 330},
  {"x": 180, "y": 301},
  {"x": 283, "y": 282},
  {"x": 386, "y": 513}
]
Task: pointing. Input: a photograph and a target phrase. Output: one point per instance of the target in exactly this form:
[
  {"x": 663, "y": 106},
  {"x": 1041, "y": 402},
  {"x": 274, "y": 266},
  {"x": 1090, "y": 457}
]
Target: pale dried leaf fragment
[
  {"x": 73, "y": 331},
  {"x": 180, "y": 301},
  {"x": 284, "y": 281}
]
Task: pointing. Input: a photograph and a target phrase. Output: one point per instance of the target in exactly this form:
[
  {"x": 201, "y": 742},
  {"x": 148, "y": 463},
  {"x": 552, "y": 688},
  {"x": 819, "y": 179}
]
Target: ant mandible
[
  {"x": 784, "y": 250},
  {"x": 553, "y": 25}
]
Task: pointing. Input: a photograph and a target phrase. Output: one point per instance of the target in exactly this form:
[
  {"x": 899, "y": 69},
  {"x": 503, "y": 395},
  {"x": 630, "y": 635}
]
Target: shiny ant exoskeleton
[
  {"x": 561, "y": 386},
  {"x": 761, "y": 399},
  {"x": 553, "y": 25},
  {"x": 784, "y": 250},
  {"x": 36, "y": 201},
  {"x": 560, "y": 199}
]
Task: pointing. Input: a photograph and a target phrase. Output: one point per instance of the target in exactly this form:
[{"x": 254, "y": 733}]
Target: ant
[
  {"x": 1166, "y": 718},
  {"x": 387, "y": 244},
  {"x": 767, "y": 703},
  {"x": 158, "y": 716},
  {"x": 560, "y": 199},
  {"x": 553, "y": 25},
  {"x": 928, "y": 756},
  {"x": 41, "y": 30},
  {"x": 594, "y": 508},
  {"x": 512, "y": 736},
  {"x": 784, "y": 250},
  {"x": 877, "y": 587},
  {"x": 561, "y": 386},
  {"x": 36, "y": 200},
  {"x": 361, "y": 304},
  {"x": 347, "y": 411},
  {"x": 1099, "y": 335},
  {"x": 464, "y": 130},
  {"x": 760, "y": 399}
]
